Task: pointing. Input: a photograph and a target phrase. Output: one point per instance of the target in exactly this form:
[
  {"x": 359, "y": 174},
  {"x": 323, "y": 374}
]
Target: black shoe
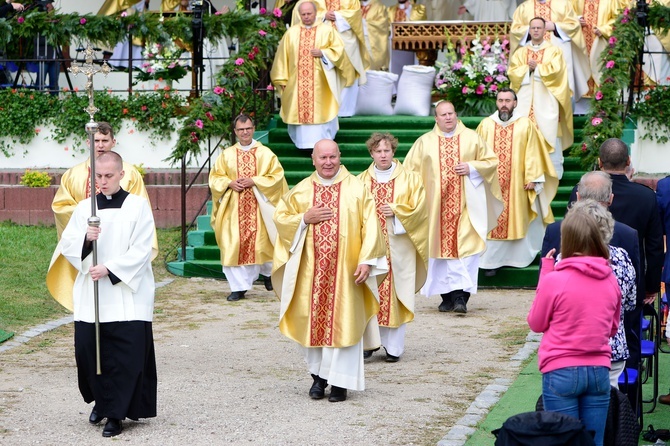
[
  {"x": 112, "y": 428},
  {"x": 367, "y": 354},
  {"x": 267, "y": 281},
  {"x": 391, "y": 358},
  {"x": 337, "y": 394},
  {"x": 459, "y": 305},
  {"x": 235, "y": 296},
  {"x": 447, "y": 304},
  {"x": 318, "y": 389},
  {"x": 95, "y": 418}
]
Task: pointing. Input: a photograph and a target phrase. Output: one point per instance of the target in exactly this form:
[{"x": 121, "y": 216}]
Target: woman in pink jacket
[{"x": 577, "y": 306}]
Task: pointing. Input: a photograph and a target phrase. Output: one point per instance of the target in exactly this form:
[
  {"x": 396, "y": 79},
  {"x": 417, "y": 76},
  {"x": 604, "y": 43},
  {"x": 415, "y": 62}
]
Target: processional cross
[{"x": 89, "y": 70}]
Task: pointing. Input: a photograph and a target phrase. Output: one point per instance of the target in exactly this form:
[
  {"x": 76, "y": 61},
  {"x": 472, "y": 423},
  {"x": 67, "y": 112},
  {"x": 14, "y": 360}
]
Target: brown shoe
[{"x": 664, "y": 399}]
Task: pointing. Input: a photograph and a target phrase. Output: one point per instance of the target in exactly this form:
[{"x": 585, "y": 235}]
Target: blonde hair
[
  {"x": 377, "y": 137},
  {"x": 581, "y": 234}
]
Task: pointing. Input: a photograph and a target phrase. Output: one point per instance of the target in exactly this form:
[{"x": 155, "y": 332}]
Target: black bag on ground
[
  {"x": 542, "y": 429},
  {"x": 621, "y": 428}
]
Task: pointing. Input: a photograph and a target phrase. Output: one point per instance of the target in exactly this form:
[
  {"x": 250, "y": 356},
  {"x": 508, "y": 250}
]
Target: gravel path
[{"x": 227, "y": 376}]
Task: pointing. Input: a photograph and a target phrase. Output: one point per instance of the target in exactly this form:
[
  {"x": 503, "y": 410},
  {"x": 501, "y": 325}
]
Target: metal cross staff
[{"x": 88, "y": 69}]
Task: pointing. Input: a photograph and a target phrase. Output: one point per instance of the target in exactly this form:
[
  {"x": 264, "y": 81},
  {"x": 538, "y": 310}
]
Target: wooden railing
[{"x": 426, "y": 38}]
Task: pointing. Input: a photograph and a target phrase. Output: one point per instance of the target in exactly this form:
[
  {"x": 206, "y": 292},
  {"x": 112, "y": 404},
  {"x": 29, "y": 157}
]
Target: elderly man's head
[
  {"x": 596, "y": 185},
  {"x": 326, "y": 158}
]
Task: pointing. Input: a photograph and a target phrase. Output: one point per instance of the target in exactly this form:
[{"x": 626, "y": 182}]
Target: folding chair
[{"x": 628, "y": 381}]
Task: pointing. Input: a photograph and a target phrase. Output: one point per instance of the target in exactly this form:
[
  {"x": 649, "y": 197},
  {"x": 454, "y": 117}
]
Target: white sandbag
[
  {"x": 414, "y": 90},
  {"x": 374, "y": 98}
]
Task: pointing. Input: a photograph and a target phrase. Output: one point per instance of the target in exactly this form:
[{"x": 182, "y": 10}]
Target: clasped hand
[
  {"x": 240, "y": 184},
  {"x": 317, "y": 214}
]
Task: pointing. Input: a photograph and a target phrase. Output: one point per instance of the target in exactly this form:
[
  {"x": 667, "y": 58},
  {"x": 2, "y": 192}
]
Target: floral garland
[
  {"x": 206, "y": 117},
  {"x": 607, "y": 114}
]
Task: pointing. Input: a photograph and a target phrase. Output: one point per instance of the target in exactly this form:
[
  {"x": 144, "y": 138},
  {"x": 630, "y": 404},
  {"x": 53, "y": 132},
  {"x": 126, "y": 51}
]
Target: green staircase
[{"x": 202, "y": 255}]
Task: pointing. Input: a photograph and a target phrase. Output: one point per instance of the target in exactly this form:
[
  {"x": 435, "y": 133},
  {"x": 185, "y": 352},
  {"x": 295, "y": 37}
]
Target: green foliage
[
  {"x": 33, "y": 178},
  {"x": 23, "y": 112},
  {"x": 258, "y": 36},
  {"x": 655, "y": 110},
  {"x": 606, "y": 116}
]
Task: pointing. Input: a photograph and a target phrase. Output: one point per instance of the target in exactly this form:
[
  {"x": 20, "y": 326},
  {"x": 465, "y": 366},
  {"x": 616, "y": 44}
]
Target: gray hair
[
  {"x": 603, "y": 217},
  {"x": 596, "y": 185}
]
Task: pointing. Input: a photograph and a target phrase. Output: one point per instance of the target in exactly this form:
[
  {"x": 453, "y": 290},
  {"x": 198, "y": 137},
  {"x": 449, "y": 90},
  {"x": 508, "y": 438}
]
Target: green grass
[{"x": 26, "y": 252}]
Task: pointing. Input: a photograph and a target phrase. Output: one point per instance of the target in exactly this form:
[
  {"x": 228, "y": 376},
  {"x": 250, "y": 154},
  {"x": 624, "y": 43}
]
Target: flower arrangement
[
  {"x": 654, "y": 110},
  {"x": 473, "y": 74},
  {"x": 162, "y": 61}
]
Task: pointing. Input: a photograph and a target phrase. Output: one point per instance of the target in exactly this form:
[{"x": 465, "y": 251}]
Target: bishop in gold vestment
[
  {"x": 528, "y": 183},
  {"x": 459, "y": 173},
  {"x": 329, "y": 251},
  {"x": 247, "y": 182},
  {"x": 310, "y": 85},
  {"x": 544, "y": 95},
  {"x": 401, "y": 209},
  {"x": 567, "y": 35}
]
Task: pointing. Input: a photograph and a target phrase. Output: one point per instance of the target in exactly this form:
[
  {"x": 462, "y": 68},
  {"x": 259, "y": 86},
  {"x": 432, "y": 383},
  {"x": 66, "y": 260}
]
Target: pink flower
[
  {"x": 609, "y": 64},
  {"x": 270, "y": 87},
  {"x": 463, "y": 50},
  {"x": 172, "y": 65},
  {"x": 612, "y": 41},
  {"x": 596, "y": 121},
  {"x": 273, "y": 24},
  {"x": 255, "y": 50},
  {"x": 457, "y": 66},
  {"x": 239, "y": 61},
  {"x": 194, "y": 137},
  {"x": 262, "y": 11},
  {"x": 82, "y": 21},
  {"x": 251, "y": 55},
  {"x": 480, "y": 89},
  {"x": 584, "y": 147},
  {"x": 20, "y": 20},
  {"x": 624, "y": 20},
  {"x": 488, "y": 79},
  {"x": 143, "y": 108},
  {"x": 124, "y": 14},
  {"x": 626, "y": 11},
  {"x": 209, "y": 116},
  {"x": 465, "y": 90},
  {"x": 276, "y": 12},
  {"x": 493, "y": 87},
  {"x": 218, "y": 90},
  {"x": 599, "y": 95},
  {"x": 198, "y": 123},
  {"x": 261, "y": 32},
  {"x": 218, "y": 13}
]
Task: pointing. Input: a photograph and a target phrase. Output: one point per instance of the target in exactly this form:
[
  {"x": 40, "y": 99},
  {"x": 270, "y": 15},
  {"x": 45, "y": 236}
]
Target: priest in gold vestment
[
  {"x": 562, "y": 28},
  {"x": 538, "y": 74},
  {"x": 376, "y": 28},
  {"x": 460, "y": 175},
  {"x": 528, "y": 183},
  {"x": 328, "y": 256},
  {"x": 247, "y": 182},
  {"x": 597, "y": 19},
  {"x": 75, "y": 186},
  {"x": 309, "y": 71},
  {"x": 401, "y": 209}
]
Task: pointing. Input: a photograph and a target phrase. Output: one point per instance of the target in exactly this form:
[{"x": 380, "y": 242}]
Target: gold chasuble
[
  {"x": 600, "y": 14},
  {"x": 406, "y": 253},
  {"x": 311, "y": 92},
  {"x": 377, "y": 26},
  {"x": 75, "y": 186},
  {"x": 523, "y": 157},
  {"x": 461, "y": 212},
  {"x": 417, "y": 13},
  {"x": 560, "y": 12},
  {"x": 543, "y": 95},
  {"x": 244, "y": 230},
  {"x": 321, "y": 305}
]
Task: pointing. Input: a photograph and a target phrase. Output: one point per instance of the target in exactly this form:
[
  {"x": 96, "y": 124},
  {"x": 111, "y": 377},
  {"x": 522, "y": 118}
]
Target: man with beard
[
  {"x": 528, "y": 183},
  {"x": 538, "y": 74},
  {"x": 459, "y": 172}
]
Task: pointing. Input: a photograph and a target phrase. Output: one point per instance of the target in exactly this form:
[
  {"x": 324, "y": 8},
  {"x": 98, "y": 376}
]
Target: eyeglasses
[{"x": 246, "y": 129}]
